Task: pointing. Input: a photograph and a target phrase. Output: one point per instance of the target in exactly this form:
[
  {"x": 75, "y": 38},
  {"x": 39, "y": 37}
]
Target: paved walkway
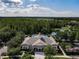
[
  {"x": 62, "y": 51},
  {"x": 39, "y": 55}
]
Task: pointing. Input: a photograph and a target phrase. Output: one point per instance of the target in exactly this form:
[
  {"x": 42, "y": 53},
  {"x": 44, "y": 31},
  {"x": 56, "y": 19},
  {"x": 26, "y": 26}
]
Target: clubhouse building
[{"x": 38, "y": 41}]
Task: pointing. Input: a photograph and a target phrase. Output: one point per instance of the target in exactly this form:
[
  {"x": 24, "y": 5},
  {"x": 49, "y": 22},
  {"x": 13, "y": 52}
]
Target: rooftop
[{"x": 39, "y": 39}]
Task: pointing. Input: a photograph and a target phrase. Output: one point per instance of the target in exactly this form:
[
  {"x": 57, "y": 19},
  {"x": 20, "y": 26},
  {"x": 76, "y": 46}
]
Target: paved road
[
  {"x": 75, "y": 57},
  {"x": 39, "y": 55}
]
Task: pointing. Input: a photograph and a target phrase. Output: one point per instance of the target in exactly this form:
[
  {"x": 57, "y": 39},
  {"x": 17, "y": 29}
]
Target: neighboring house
[
  {"x": 38, "y": 42},
  {"x": 74, "y": 49},
  {"x": 76, "y": 44}
]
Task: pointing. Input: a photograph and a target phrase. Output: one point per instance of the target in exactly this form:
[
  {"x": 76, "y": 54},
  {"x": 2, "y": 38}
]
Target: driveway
[
  {"x": 39, "y": 55},
  {"x": 3, "y": 50}
]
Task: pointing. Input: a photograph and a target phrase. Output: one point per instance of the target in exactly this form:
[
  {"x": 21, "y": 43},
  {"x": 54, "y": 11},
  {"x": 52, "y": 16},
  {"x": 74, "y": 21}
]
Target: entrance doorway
[{"x": 38, "y": 49}]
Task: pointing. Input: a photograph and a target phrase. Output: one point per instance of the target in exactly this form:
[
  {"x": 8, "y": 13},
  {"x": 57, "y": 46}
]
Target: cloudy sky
[{"x": 52, "y": 8}]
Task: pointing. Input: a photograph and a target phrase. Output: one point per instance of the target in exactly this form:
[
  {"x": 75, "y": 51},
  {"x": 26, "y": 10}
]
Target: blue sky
[{"x": 59, "y": 6}]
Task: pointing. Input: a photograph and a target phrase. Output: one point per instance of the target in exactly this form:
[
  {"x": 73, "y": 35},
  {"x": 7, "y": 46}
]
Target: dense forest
[
  {"x": 34, "y": 25},
  {"x": 13, "y": 30}
]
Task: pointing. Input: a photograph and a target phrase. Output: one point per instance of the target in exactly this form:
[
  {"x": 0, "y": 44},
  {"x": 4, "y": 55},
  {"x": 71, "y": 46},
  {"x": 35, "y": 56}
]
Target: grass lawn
[
  {"x": 51, "y": 57},
  {"x": 6, "y": 58},
  {"x": 61, "y": 58}
]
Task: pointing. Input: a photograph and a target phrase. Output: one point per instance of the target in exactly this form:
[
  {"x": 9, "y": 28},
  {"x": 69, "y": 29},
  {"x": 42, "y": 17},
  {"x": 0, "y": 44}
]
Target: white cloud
[
  {"x": 16, "y": 0},
  {"x": 2, "y": 6},
  {"x": 36, "y": 10},
  {"x": 12, "y": 3},
  {"x": 33, "y": 0}
]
